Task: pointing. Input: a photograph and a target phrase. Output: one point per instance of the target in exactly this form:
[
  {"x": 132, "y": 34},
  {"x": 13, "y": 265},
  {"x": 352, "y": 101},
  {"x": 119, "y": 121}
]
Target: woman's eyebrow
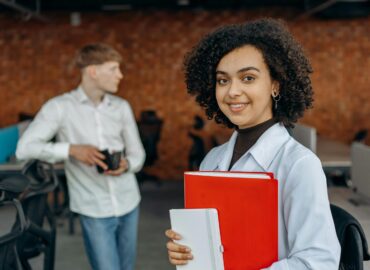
[
  {"x": 239, "y": 71},
  {"x": 221, "y": 72},
  {"x": 247, "y": 69}
]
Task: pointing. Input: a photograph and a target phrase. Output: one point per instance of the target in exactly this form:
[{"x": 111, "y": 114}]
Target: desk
[
  {"x": 333, "y": 154},
  {"x": 11, "y": 168},
  {"x": 15, "y": 167},
  {"x": 336, "y": 160}
]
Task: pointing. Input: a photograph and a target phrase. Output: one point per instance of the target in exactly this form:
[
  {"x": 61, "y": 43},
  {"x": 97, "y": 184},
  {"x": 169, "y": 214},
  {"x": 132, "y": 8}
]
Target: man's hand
[
  {"x": 87, "y": 154},
  {"x": 123, "y": 166}
]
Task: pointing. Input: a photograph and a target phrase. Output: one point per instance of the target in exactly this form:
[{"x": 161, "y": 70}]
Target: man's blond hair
[{"x": 96, "y": 54}]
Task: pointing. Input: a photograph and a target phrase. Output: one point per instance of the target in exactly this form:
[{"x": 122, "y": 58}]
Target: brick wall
[{"x": 35, "y": 65}]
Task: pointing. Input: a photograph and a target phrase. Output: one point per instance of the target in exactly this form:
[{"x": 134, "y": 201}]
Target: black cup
[
  {"x": 112, "y": 160},
  {"x": 115, "y": 159}
]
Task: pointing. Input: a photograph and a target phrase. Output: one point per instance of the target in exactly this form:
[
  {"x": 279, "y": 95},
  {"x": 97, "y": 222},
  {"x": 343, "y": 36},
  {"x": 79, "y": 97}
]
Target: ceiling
[
  {"x": 175, "y": 4},
  {"x": 326, "y": 8}
]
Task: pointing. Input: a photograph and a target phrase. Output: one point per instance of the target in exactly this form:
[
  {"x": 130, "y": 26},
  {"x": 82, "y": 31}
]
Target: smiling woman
[
  {"x": 244, "y": 87},
  {"x": 254, "y": 77},
  {"x": 282, "y": 56}
]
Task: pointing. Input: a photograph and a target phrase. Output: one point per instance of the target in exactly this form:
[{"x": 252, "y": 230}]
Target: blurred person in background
[{"x": 85, "y": 121}]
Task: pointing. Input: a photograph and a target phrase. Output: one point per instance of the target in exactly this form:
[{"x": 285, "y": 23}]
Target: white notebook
[{"x": 200, "y": 231}]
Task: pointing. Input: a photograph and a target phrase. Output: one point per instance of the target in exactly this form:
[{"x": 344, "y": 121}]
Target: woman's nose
[{"x": 235, "y": 89}]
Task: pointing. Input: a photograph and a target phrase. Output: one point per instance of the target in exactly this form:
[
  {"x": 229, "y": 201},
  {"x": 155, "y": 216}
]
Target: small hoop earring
[{"x": 276, "y": 98}]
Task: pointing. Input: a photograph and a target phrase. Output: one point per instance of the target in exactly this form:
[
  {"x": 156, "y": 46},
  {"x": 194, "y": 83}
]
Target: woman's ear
[
  {"x": 275, "y": 94},
  {"x": 275, "y": 88}
]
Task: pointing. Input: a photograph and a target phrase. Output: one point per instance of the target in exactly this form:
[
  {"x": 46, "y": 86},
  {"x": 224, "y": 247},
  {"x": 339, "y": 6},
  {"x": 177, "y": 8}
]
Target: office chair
[
  {"x": 360, "y": 136},
  {"x": 150, "y": 127},
  {"x": 37, "y": 239},
  {"x": 11, "y": 230},
  {"x": 352, "y": 240},
  {"x": 197, "y": 150}
]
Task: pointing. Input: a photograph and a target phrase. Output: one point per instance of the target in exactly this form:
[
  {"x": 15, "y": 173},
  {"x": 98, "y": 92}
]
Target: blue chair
[{"x": 8, "y": 142}]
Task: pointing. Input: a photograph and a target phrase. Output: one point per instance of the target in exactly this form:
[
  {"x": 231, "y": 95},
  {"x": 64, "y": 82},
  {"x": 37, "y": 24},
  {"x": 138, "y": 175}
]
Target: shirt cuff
[
  {"x": 128, "y": 165},
  {"x": 62, "y": 150}
]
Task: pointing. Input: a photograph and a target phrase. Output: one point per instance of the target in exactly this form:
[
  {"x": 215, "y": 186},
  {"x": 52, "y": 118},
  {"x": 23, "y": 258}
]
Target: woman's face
[{"x": 244, "y": 87}]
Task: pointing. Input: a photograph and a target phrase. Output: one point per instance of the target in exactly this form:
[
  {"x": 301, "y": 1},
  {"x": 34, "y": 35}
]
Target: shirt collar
[
  {"x": 82, "y": 97},
  {"x": 263, "y": 151},
  {"x": 269, "y": 144},
  {"x": 223, "y": 161}
]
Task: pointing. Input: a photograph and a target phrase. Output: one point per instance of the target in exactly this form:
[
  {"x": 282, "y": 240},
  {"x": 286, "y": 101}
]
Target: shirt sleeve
[
  {"x": 35, "y": 142},
  {"x": 134, "y": 150},
  {"x": 312, "y": 240}
]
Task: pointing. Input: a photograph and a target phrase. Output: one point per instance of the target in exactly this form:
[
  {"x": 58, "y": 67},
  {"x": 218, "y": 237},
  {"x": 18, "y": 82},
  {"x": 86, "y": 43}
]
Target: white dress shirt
[
  {"x": 307, "y": 237},
  {"x": 74, "y": 119}
]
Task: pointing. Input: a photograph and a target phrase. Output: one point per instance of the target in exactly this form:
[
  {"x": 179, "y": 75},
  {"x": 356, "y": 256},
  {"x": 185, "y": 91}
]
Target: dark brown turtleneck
[{"x": 248, "y": 137}]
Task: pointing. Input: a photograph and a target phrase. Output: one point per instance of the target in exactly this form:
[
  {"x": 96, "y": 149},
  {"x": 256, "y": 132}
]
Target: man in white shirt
[{"x": 85, "y": 121}]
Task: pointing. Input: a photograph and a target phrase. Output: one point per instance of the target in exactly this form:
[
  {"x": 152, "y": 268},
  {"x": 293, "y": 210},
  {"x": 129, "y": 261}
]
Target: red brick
[{"x": 36, "y": 64}]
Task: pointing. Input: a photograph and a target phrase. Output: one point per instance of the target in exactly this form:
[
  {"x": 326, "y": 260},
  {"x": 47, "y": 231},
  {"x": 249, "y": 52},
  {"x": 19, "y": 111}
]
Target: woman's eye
[
  {"x": 221, "y": 81},
  {"x": 248, "y": 78}
]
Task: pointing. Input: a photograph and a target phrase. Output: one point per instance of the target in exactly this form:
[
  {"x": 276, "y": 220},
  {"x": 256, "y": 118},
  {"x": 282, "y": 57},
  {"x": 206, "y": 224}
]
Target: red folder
[{"x": 247, "y": 205}]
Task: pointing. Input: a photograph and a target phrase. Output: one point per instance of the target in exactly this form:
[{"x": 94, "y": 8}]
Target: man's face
[{"x": 107, "y": 76}]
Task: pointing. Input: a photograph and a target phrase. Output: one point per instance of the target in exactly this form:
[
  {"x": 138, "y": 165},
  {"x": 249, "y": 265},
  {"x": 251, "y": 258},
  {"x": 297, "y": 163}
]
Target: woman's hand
[{"x": 177, "y": 254}]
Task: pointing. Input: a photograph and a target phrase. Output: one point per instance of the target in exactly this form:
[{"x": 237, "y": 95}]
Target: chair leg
[
  {"x": 71, "y": 226},
  {"x": 49, "y": 259},
  {"x": 25, "y": 265}
]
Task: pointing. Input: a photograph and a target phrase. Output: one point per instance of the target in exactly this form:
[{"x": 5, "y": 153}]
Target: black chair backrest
[
  {"x": 150, "y": 129},
  {"x": 196, "y": 153},
  {"x": 12, "y": 186},
  {"x": 360, "y": 135},
  {"x": 13, "y": 222},
  {"x": 42, "y": 177},
  {"x": 352, "y": 239},
  {"x": 352, "y": 251},
  {"x": 34, "y": 239},
  {"x": 35, "y": 205}
]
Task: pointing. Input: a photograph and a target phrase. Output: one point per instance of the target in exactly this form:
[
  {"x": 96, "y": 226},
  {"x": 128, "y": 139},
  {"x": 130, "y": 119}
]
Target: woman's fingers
[
  {"x": 177, "y": 254},
  {"x": 177, "y": 262},
  {"x": 172, "y": 235},
  {"x": 180, "y": 256},
  {"x": 171, "y": 246}
]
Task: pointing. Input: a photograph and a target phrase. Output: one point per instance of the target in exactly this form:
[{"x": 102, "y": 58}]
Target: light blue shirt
[
  {"x": 74, "y": 119},
  {"x": 307, "y": 237}
]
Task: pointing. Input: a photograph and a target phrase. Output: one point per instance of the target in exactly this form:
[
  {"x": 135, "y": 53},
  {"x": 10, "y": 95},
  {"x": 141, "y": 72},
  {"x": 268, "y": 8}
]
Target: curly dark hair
[{"x": 283, "y": 55}]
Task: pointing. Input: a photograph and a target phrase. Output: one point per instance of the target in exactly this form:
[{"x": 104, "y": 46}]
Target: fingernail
[{"x": 188, "y": 250}]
